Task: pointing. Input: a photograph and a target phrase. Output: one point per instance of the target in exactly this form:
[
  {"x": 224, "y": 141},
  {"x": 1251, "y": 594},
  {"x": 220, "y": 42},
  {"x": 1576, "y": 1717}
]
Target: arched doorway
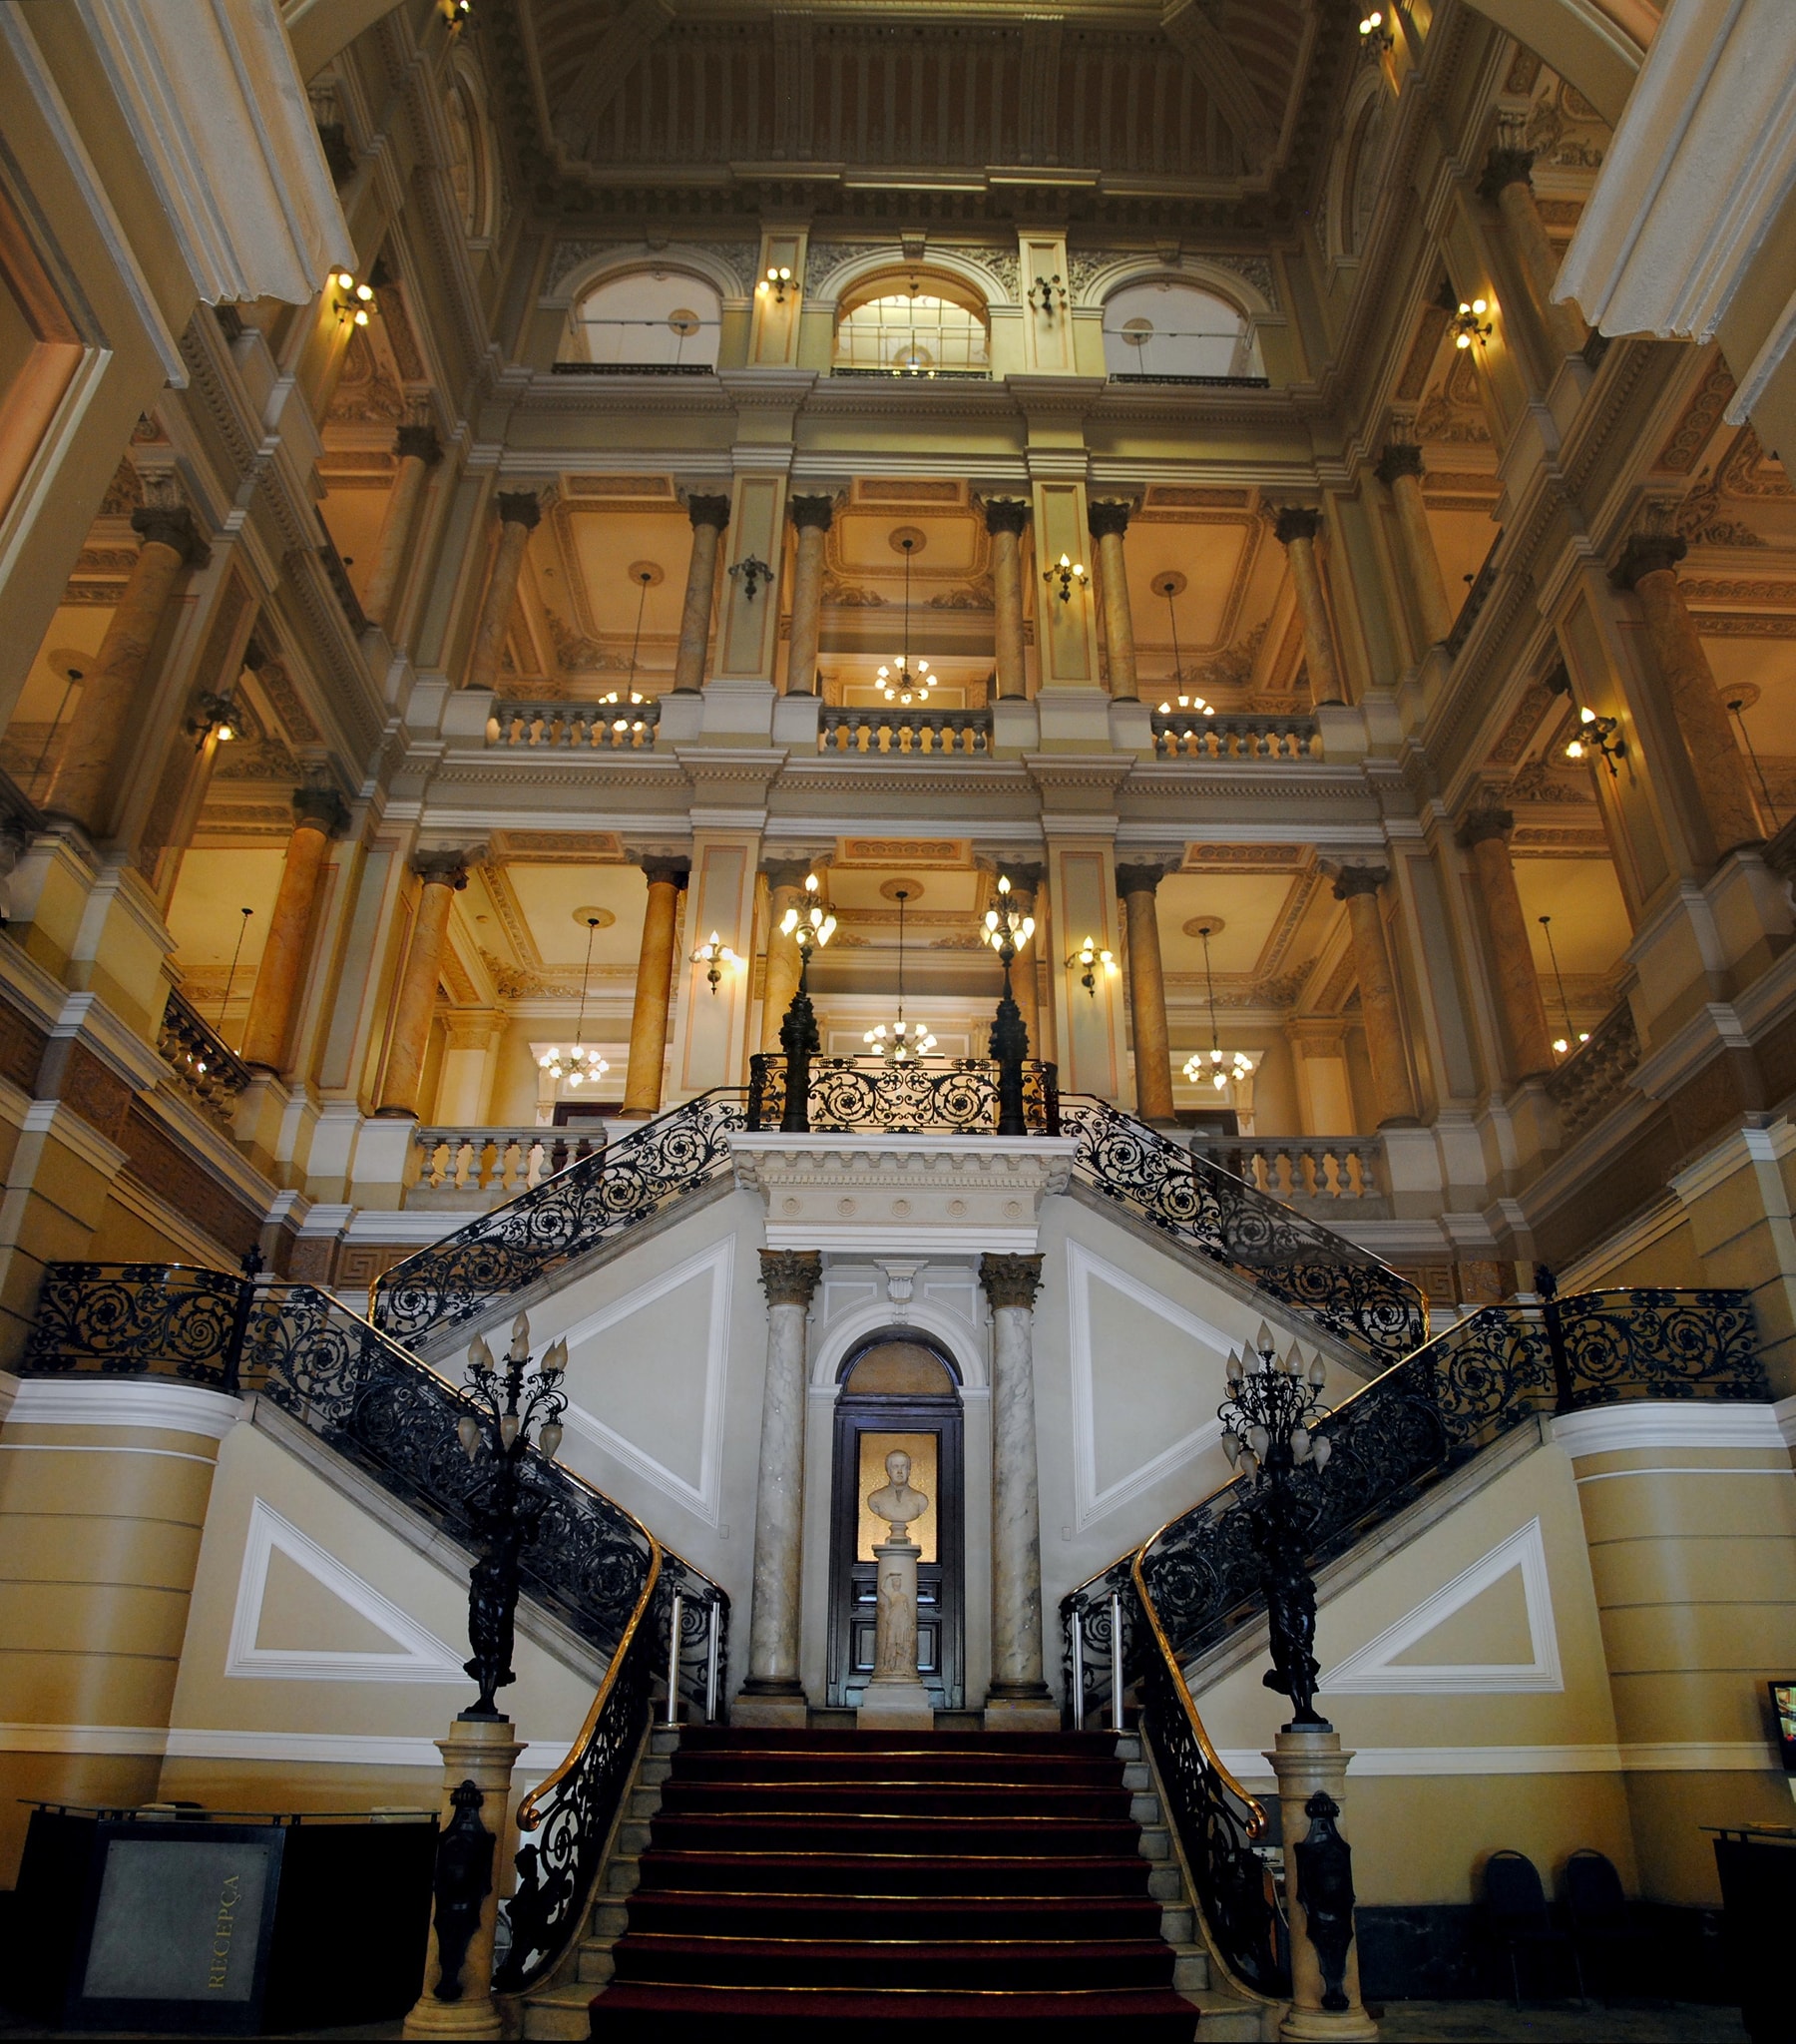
[{"x": 899, "y": 1390}]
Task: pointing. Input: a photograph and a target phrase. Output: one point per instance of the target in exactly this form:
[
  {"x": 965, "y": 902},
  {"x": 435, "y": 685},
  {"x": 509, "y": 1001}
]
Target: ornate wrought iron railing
[
  {"x": 1345, "y": 1288},
  {"x": 1198, "y": 1580},
  {"x": 593, "y": 1564},
  {"x": 947, "y": 1095},
  {"x": 592, "y": 1202}
]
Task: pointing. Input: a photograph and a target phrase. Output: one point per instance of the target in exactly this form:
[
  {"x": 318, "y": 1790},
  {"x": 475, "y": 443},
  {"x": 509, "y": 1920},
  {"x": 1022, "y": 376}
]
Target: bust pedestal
[
  {"x": 1306, "y": 1761},
  {"x": 895, "y": 1700}
]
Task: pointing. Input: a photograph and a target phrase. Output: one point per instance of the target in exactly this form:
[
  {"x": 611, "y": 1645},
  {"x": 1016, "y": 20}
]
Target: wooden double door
[{"x": 898, "y": 1392}]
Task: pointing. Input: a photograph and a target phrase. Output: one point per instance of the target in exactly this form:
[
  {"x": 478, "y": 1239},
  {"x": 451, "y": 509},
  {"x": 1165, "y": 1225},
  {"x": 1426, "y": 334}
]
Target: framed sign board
[
  {"x": 1783, "y": 1711},
  {"x": 175, "y": 1930}
]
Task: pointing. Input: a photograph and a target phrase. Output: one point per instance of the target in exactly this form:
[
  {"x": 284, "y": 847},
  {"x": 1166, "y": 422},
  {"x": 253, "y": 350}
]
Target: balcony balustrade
[
  {"x": 497, "y": 1163},
  {"x": 203, "y": 1064},
  {"x": 919, "y": 733},
  {"x": 1338, "y": 1172},
  {"x": 575, "y": 727},
  {"x": 1595, "y": 1075},
  {"x": 1180, "y": 735}
]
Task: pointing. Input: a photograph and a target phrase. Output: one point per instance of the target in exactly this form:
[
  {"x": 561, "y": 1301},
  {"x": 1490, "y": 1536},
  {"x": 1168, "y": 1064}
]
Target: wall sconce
[
  {"x": 459, "y": 14},
  {"x": 1374, "y": 36},
  {"x": 1598, "y": 732},
  {"x": 779, "y": 280},
  {"x": 354, "y": 300},
  {"x": 713, "y": 954},
  {"x": 1087, "y": 958},
  {"x": 214, "y": 717},
  {"x": 1041, "y": 293},
  {"x": 1069, "y": 574},
  {"x": 1470, "y": 323},
  {"x": 753, "y": 573}
]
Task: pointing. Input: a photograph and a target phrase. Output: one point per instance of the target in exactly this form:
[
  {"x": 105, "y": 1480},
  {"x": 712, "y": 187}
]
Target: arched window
[
  {"x": 470, "y": 156},
  {"x": 923, "y": 327},
  {"x": 1164, "y": 328},
  {"x": 662, "y": 320}
]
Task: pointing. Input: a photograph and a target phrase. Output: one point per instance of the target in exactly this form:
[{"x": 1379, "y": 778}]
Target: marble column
[
  {"x": 710, "y": 515},
  {"x": 107, "y": 728},
  {"x": 785, "y": 890},
  {"x": 1005, "y": 519},
  {"x": 773, "y": 1694},
  {"x": 1147, "y": 994},
  {"x": 1400, "y": 470},
  {"x": 1018, "y": 1698},
  {"x": 1507, "y": 181},
  {"x": 812, "y": 518},
  {"x": 520, "y": 513},
  {"x": 1025, "y": 892},
  {"x": 1295, "y": 530},
  {"x": 1484, "y": 836},
  {"x": 319, "y": 814},
  {"x": 444, "y": 875},
  {"x": 1381, "y": 1014},
  {"x": 418, "y": 451},
  {"x": 654, "y": 988},
  {"x": 1108, "y": 519},
  {"x": 1648, "y": 566}
]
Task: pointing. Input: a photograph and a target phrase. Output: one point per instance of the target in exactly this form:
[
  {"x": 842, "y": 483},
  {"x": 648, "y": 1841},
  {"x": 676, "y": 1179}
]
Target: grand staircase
[{"x": 782, "y": 1882}]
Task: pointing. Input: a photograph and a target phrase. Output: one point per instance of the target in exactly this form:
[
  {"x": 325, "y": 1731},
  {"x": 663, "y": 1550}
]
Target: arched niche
[
  {"x": 645, "y": 315},
  {"x": 471, "y": 155},
  {"x": 1172, "y": 325},
  {"x": 917, "y": 322}
]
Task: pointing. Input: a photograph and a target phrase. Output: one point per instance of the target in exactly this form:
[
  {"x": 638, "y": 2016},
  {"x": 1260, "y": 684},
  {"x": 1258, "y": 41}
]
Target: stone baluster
[
  {"x": 812, "y": 518},
  {"x": 418, "y": 452},
  {"x": 1005, "y": 519},
  {"x": 520, "y": 513},
  {"x": 1506, "y": 180},
  {"x": 319, "y": 814},
  {"x": 1018, "y": 1696},
  {"x": 1147, "y": 994},
  {"x": 1108, "y": 520},
  {"x": 785, "y": 890},
  {"x": 1295, "y": 530},
  {"x": 1484, "y": 836},
  {"x": 444, "y": 875},
  {"x": 1648, "y": 566},
  {"x": 107, "y": 729},
  {"x": 1381, "y": 1015},
  {"x": 1400, "y": 470},
  {"x": 654, "y": 988},
  {"x": 773, "y": 1694},
  {"x": 710, "y": 515}
]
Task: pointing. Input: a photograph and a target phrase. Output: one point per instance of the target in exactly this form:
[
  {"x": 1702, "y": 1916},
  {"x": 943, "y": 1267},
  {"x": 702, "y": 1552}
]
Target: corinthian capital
[
  {"x": 1010, "y": 1281},
  {"x": 790, "y": 1277}
]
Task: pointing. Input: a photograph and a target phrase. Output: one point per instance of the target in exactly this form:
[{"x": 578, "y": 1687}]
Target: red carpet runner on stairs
[{"x": 803, "y": 1878}]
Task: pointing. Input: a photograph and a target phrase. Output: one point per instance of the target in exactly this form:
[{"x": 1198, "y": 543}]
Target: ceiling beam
[{"x": 1190, "y": 30}]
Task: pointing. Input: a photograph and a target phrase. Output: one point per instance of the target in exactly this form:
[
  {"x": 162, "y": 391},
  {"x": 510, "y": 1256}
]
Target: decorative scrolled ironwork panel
[
  {"x": 916, "y": 1097},
  {"x": 1343, "y": 1288},
  {"x": 1660, "y": 1345},
  {"x": 134, "y": 1320},
  {"x": 592, "y": 1202}
]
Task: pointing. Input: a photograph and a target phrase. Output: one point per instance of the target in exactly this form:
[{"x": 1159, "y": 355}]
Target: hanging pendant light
[
  {"x": 901, "y": 1043},
  {"x": 1220, "y": 1068},
  {"x": 628, "y": 694},
  {"x": 581, "y": 1066},
  {"x": 1169, "y": 587},
  {"x": 906, "y": 681}
]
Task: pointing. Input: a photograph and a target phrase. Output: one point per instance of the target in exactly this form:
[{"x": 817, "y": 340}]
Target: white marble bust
[{"x": 896, "y": 1502}]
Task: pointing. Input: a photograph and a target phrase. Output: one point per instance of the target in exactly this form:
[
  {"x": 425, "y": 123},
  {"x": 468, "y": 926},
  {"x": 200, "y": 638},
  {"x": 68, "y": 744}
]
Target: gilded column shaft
[
  {"x": 785, "y": 890},
  {"x": 1109, "y": 522},
  {"x": 517, "y": 517},
  {"x": 812, "y": 517},
  {"x": 418, "y": 452},
  {"x": 443, "y": 874},
  {"x": 1147, "y": 994},
  {"x": 1005, "y": 520},
  {"x": 1485, "y": 837},
  {"x": 1296, "y": 531},
  {"x": 1380, "y": 1014},
  {"x": 654, "y": 989},
  {"x": 1400, "y": 470},
  {"x": 1507, "y": 178},
  {"x": 318, "y": 815},
  {"x": 710, "y": 515}
]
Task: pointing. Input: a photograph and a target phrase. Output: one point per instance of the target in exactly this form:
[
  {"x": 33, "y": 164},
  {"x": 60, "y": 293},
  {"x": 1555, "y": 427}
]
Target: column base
[
  {"x": 1343, "y": 2025},
  {"x": 895, "y": 1707},
  {"x": 771, "y": 1706},
  {"x": 1030, "y": 1711}
]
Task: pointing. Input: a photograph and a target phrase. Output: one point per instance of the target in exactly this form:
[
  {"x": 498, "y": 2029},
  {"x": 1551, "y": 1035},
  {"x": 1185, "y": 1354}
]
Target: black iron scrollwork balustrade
[
  {"x": 594, "y": 1200},
  {"x": 956, "y": 1095},
  {"x": 1347, "y": 1289},
  {"x": 136, "y": 1319}
]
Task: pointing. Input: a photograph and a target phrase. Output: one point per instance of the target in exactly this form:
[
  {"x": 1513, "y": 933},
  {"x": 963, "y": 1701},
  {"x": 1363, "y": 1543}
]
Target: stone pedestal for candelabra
[
  {"x": 895, "y": 1701},
  {"x": 1309, "y": 1761},
  {"x": 478, "y": 1757}
]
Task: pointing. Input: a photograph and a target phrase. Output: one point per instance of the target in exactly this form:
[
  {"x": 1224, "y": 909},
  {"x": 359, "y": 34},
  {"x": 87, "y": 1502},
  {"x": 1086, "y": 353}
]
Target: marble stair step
[
  {"x": 1121, "y": 1872},
  {"x": 767, "y": 2015},
  {"x": 939, "y": 1838},
  {"x": 755, "y": 1801},
  {"x": 912, "y": 1967}
]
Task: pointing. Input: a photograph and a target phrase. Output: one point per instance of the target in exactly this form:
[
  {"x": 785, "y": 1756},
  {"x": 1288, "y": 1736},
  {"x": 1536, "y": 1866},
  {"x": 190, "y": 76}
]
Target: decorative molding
[
  {"x": 420, "y": 1655},
  {"x": 308, "y": 1749},
  {"x": 1660, "y": 1423},
  {"x": 1660, "y": 1757},
  {"x": 1371, "y": 1671},
  {"x": 151, "y": 1402}
]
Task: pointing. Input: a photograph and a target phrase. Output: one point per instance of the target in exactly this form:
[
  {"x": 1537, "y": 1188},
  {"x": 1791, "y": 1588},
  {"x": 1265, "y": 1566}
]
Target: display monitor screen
[{"x": 1783, "y": 1709}]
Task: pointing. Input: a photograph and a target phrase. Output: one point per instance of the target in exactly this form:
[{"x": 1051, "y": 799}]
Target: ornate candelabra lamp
[
  {"x": 1008, "y": 929},
  {"x": 903, "y": 1042},
  {"x": 713, "y": 954},
  {"x": 1220, "y": 1067},
  {"x": 583, "y": 1065},
  {"x": 1069, "y": 574},
  {"x": 1270, "y": 1420},
  {"x": 810, "y": 928},
  {"x": 1168, "y": 586},
  {"x": 903, "y": 679},
  {"x": 1088, "y": 961},
  {"x": 512, "y": 1402}
]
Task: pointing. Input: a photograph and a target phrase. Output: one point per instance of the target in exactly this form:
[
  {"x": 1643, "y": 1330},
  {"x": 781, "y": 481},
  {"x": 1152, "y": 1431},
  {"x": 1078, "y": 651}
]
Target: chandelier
[
  {"x": 630, "y": 693},
  {"x": 904, "y": 680},
  {"x": 580, "y": 1065},
  {"x": 903, "y": 1042},
  {"x": 1222, "y": 1068},
  {"x": 1168, "y": 586}
]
